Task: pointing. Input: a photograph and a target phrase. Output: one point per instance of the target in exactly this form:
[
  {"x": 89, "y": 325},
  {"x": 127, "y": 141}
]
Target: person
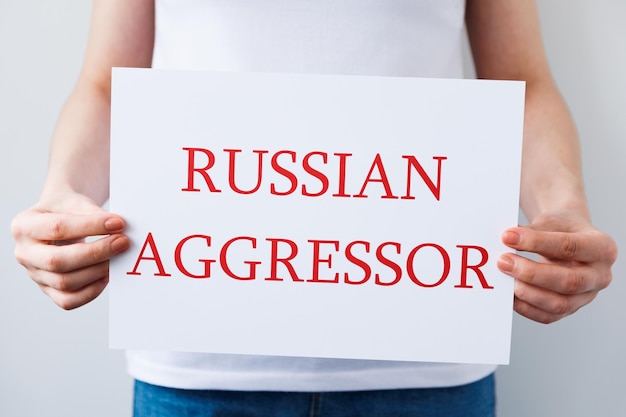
[{"x": 364, "y": 37}]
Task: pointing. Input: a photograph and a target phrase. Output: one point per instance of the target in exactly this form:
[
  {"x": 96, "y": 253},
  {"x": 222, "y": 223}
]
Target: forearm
[
  {"x": 551, "y": 168},
  {"x": 506, "y": 44},
  {"x": 122, "y": 35},
  {"x": 79, "y": 151}
]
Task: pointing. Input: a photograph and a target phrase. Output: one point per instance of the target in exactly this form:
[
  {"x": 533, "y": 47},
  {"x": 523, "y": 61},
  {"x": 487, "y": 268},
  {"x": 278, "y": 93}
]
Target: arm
[
  {"x": 575, "y": 258},
  {"x": 50, "y": 236}
]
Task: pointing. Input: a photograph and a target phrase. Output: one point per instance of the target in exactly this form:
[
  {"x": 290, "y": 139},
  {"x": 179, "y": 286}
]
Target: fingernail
[
  {"x": 510, "y": 238},
  {"x": 114, "y": 225},
  {"x": 505, "y": 263},
  {"x": 120, "y": 244}
]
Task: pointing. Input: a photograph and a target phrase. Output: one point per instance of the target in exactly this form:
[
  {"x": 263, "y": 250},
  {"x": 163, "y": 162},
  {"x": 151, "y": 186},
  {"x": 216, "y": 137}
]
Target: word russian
[{"x": 283, "y": 163}]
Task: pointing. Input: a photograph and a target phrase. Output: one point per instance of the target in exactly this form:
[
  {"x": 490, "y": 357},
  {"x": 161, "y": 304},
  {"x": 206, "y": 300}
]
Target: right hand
[{"x": 50, "y": 244}]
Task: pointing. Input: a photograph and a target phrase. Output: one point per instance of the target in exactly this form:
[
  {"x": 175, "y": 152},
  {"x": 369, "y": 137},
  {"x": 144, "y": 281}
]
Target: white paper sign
[{"x": 320, "y": 216}]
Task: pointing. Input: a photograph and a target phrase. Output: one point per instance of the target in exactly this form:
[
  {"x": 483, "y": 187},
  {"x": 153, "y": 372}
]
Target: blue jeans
[{"x": 473, "y": 400}]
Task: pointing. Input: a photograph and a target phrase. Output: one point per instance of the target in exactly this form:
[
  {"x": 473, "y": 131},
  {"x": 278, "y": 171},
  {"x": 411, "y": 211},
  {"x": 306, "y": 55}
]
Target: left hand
[{"x": 574, "y": 264}]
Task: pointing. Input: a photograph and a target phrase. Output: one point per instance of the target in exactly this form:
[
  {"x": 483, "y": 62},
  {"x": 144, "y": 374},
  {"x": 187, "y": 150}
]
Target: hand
[
  {"x": 50, "y": 244},
  {"x": 574, "y": 264}
]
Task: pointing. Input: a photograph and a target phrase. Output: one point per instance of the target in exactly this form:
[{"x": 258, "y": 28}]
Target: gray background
[{"x": 57, "y": 363}]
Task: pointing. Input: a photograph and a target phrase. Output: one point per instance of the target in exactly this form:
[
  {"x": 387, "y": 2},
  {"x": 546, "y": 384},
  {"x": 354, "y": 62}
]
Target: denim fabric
[{"x": 473, "y": 400}]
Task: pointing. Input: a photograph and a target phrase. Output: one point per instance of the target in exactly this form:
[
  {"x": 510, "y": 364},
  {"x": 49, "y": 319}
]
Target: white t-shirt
[{"x": 419, "y": 38}]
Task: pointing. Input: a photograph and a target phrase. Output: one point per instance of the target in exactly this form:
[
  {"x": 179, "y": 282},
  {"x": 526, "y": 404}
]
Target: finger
[
  {"x": 564, "y": 279},
  {"x": 71, "y": 281},
  {"x": 67, "y": 258},
  {"x": 583, "y": 247},
  {"x": 552, "y": 306},
  {"x": 531, "y": 312},
  {"x": 69, "y": 300},
  {"x": 61, "y": 226}
]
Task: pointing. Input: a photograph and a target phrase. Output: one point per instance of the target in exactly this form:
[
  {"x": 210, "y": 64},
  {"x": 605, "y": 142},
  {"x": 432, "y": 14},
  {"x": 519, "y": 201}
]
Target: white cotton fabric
[
  {"x": 355, "y": 37},
  {"x": 276, "y": 373},
  {"x": 420, "y": 38}
]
